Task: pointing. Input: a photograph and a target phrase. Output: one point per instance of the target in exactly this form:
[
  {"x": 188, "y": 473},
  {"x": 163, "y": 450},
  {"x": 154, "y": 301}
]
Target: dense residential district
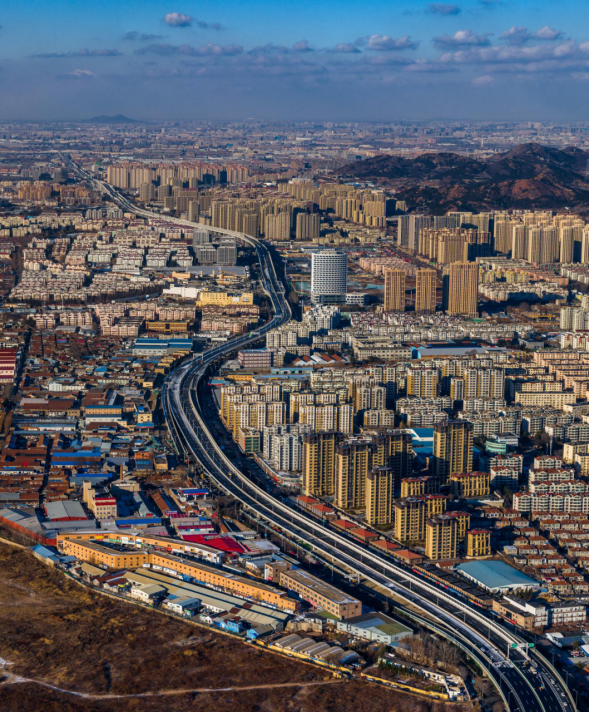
[{"x": 281, "y": 406}]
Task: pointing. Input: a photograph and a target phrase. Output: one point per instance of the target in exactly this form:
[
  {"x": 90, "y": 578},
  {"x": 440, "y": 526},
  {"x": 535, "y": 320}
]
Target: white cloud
[
  {"x": 386, "y": 43},
  {"x": 509, "y": 53},
  {"x": 167, "y": 50},
  {"x": 462, "y": 38},
  {"x": 178, "y": 19},
  {"x": 219, "y": 50},
  {"x": 521, "y": 35},
  {"x": 483, "y": 81},
  {"x": 425, "y": 65},
  {"x": 81, "y": 73},
  {"x": 302, "y": 46},
  {"x": 516, "y": 35},
  {"x": 346, "y": 48},
  {"x": 548, "y": 33}
]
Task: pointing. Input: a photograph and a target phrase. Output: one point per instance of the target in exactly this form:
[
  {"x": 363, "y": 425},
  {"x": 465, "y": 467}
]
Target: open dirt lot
[{"x": 65, "y": 648}]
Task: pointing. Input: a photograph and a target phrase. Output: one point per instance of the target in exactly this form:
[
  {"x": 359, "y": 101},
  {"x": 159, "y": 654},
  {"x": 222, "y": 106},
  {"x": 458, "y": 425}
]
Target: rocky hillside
[{"x": 528, "y": 176}]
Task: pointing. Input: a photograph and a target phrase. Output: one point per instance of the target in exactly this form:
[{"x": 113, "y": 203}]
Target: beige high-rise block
[
  {"x": 319, "y": 463},
  {"x": 394, "y": 290},
  {"x": 453, "y": 443},
  {"x": 461, "y": 286},
  {"x": 441, "y": 538},
  {"x": 353, "y": 461},
  {"x": 425, "y": 291},
  {"x": 380, "y": 495}
]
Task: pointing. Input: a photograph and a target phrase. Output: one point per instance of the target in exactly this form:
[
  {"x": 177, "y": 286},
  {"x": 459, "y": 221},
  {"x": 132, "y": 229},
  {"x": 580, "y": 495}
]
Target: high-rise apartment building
[
  {"x": 484, "y": 383},
  {"x": 422, "y": 381},
  {"x": 410, "y": 518},
  {"x": 319, "y": 463},
  {"x": 227, "y": 252},
  {"x": 369, "y": 397},
  {"x": 328, "y": 417},
  {"x": 369, "y": 470},
  {"x": 164, "y": 191},
  {"x": 463, "y": 520},
  {"x": 457, "y": 388},
  {"x": 391, "y": 463},
  {"x": 394, "y": 290},
  {"x": 409, "y": 230},
  {"x": 503, "y": 235},
  {"x": 287, "y": 452},
  {"x": 200, "y": 236},
  {"x": 206, "y": 255},
  {"x": 146, "y": 192},
  {"x": 453, "y": 443},
  {"x": 566, "y": 244},
  {"x": 461, "y": 282},
  {"x": 519, "y": 242},
  {"x": 277, "y": 227},
  {"x": 478, "y": 543},
  {"x": 393, "y": 448},
  {"x": 469, "y": 485},
  {"x": 223, "y": 214},
  {"x": 193, "y": 211},
  {"x": 60, "y": 174},
  {"x": 585, "y": 246},
  {"x": 412, "y": 513},
  {"x": 543, "y": 244},
  {"x": 380, "y": 495},
  {"x": 425, "y": 291},
  {"x": 441, "y": 538},
  {"x": 250, "y": 224},
  {"x": 415, "y": 486},
  {"x": 308, "y": 226},
  {"x": 353, "y": 461},
  {"x": 329, "y": 277}
]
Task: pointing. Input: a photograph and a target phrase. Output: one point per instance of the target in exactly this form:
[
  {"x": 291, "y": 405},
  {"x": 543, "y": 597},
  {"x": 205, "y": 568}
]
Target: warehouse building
[
  {"x": 141, "y": 539},
  {"x": 64, "y": 511},
  {"x": 496, "y": 576},
  {"x": 123, "y": 556},
  {"x": 321, "y": 595},
  {"x": 375, "y": 626},
  {"x": 113, "y": 557},
  {"x": 223, "y": 580},
  {"x": 213, "y": 601}
]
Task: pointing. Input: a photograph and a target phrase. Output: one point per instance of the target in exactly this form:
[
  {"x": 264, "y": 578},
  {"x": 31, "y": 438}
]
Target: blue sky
[{"x": 299, "y": 60}]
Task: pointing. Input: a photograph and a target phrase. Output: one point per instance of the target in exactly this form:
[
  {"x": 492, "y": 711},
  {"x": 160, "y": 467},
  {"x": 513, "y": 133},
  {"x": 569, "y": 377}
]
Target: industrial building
[
  {"x": 320, "y": 594},
  {"x": 112, "y": 557},
  {"x": 375, "y": 626},
  {"x": 211, "y": 599},
  {"x": 496, "y": 576},
  {"x": 117, "y": 556}
]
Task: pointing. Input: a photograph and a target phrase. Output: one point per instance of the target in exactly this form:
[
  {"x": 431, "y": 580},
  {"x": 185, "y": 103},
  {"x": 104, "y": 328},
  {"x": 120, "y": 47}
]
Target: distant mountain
[
  {"x": 116, "y": 119},
  {"x": 528, "y": 176}
]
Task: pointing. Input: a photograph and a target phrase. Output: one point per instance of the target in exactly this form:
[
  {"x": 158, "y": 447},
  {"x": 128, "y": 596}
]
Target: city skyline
[
  {"x": 294, "y": 356},
  {"x": 476, "y": 60}
]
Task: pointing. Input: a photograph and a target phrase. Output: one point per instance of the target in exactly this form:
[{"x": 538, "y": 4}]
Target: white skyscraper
[{"x": 329, "y": 276}]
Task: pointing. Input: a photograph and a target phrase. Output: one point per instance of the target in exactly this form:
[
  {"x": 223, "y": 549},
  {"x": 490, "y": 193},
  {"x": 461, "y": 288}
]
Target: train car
[{"x": 452, "y": 583}]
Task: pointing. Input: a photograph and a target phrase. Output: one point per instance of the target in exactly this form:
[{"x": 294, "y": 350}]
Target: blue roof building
[{"x": 496, "y": 576}]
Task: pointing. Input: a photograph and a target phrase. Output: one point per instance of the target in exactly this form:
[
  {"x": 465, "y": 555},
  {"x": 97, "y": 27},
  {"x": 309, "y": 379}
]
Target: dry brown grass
[{"x": 55, "y": 631}]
